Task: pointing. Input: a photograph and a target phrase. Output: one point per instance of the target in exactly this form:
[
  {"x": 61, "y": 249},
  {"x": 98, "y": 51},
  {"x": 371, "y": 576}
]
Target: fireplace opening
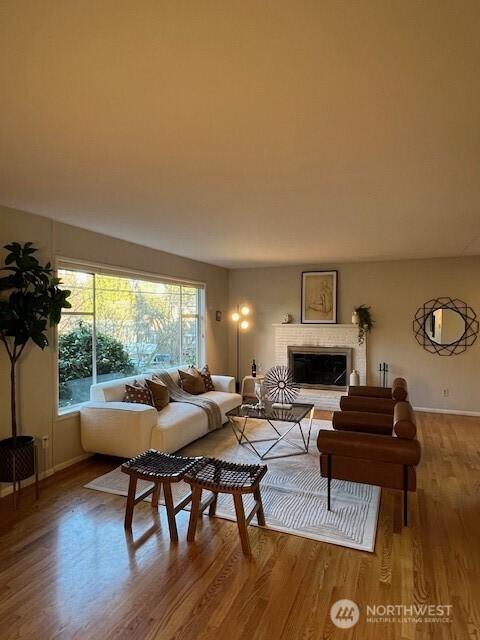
[{"x": 320, "y": 367}]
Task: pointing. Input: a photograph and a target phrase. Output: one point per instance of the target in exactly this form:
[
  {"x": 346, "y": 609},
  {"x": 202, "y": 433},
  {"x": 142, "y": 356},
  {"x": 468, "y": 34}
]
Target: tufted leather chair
[{"x": 362, "y": 455}]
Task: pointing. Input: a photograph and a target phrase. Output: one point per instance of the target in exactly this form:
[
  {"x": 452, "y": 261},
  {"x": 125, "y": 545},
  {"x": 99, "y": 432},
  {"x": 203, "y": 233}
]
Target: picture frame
[{"x": 319, "y": 297}]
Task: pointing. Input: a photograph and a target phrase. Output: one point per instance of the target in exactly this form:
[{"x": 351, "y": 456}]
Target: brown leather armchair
[
  {"x": 373, "y": 458},
  {"x": 375, "y": 399}
]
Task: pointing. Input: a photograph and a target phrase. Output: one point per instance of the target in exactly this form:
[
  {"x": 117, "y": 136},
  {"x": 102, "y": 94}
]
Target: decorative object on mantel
[
  {"x": 240, "y": 318},
  {"x": 31, "y": 301},
  {"x": 279, "y": 387},
  {"x": 319, "y": 297},
  {"x": 354, "y": 378},
  {"x": 445, "y": 326},
  {"x": 362, "y": 317},
  {"x": 287, "y": 319},
  {"x": 383, "y": 374}
]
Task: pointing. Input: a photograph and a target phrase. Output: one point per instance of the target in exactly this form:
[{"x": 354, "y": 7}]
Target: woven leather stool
[
  {"x": 161, "y": 469},
  {"x": 219, "y": 476}
]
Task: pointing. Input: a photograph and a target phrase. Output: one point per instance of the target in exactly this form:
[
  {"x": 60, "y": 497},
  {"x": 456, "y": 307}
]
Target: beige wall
[
  {"x": 394, "y": 290},
  {"x": 37, "y": 368}
]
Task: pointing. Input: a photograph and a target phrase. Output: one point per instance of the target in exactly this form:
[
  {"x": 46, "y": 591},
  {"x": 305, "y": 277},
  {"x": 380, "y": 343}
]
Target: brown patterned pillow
[
  {"x": 159, "y": 392},
  {"x": 207, "y": 378},
  {"x": 191, "y": 381},
  {"x": 138, "y": 394}
]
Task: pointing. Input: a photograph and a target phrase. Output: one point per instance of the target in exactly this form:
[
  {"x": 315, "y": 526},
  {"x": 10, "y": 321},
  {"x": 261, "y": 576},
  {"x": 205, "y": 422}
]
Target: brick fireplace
[
  {"x": 320, "y": 367},
  {"x": 334, "y": 339}
]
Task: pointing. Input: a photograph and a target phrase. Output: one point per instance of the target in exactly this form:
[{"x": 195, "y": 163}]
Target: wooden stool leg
[
  {"x": 156, "y": 495},
  {"x": 260, "y": 512},
  {"x": 132, "y": 489},
  {"x": 194, "y": 513},
  {"x": 213, "y": 506},
  {"x": 242, "y": 523},
  {"x": 172, "y": 525}
]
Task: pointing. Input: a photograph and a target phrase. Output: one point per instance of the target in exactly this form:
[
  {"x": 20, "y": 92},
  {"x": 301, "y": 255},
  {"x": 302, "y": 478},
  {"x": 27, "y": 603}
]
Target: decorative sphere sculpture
[{"x": 279, "y": 385}]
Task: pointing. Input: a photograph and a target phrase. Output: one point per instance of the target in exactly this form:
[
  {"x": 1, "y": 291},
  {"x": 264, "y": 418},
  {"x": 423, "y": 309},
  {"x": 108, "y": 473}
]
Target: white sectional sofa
[{"x": 117, "y": 428}]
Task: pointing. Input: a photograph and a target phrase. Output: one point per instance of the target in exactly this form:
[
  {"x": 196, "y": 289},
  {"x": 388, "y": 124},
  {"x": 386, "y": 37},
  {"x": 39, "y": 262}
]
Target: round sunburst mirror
[{"x": 445, "y": 326}]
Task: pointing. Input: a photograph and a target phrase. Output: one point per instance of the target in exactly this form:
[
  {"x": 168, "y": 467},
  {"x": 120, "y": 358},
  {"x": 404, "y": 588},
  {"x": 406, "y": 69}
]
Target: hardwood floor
[{"x": 67, "y": 569}]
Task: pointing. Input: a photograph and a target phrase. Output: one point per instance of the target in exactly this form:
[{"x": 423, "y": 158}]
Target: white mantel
[{"x": 321, "y": 335}]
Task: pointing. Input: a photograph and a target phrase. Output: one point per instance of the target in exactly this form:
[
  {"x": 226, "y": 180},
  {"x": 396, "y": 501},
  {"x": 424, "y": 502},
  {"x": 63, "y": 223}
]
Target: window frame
[{"x": 68, "y": 264}]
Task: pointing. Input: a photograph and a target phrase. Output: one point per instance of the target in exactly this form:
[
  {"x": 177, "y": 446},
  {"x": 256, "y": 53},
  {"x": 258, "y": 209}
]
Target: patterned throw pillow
[
  {"x": 138, "y": 394},
  {"x": 207, "y": 378},
  {"x": 191, "y": 381},
  {"x": 159, "y": 392}
]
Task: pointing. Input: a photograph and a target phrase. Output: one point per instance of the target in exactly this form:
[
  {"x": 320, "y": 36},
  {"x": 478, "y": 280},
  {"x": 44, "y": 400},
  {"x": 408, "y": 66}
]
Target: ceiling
[{"x": 247, "y": 133}]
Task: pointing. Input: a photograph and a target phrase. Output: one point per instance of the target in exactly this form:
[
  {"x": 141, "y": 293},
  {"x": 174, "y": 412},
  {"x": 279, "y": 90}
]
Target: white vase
[{"x": 354, "y": 378}]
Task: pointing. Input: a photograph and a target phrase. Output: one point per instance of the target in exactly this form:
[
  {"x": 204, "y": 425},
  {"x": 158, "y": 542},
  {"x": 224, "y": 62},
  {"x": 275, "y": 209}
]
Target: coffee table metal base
[{"x": 244, "y": 440}]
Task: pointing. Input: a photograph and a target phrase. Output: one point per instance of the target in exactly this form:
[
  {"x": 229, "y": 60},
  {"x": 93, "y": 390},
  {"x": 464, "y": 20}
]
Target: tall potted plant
[{"x": 30, "y": 301}]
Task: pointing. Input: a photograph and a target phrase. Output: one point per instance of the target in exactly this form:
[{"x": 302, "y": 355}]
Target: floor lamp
[{"x": 239, "y": 317}]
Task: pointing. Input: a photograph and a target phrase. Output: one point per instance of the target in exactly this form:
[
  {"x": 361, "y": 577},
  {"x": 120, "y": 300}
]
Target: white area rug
[{"x": 293, "y": 492}]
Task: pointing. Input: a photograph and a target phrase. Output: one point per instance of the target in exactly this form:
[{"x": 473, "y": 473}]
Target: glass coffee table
[{"x": 290, "y": 418}]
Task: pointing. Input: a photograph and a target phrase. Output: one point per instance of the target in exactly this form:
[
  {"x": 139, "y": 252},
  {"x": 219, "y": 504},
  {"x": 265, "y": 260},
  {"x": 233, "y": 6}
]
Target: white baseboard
[
  {"x": 7, "y": 490},
  {"x": 68, "y": 463},
  {"x": 457, "y": 412}
]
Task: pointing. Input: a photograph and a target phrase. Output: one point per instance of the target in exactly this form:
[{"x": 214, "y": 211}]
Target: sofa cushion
[
  {"x": 137, "y": 394},
  {"x": 178, "y": 424},
  {"x": 225, "y": 401},
  {"x": 207, "y": 378},
  {"x": 191, "y": 381},
  {"x": 160, "y": 393},
  {"x": 113, "y": 390}
]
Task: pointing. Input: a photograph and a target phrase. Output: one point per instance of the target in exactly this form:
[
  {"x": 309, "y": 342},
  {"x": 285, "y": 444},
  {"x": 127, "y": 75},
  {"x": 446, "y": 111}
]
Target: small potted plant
[
  {"x": 363, "y": 318},
  {"x": 30, "y": 301}
]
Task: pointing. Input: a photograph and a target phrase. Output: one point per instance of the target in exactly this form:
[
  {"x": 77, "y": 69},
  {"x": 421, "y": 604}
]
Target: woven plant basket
[{"x": 24, "y": 458}]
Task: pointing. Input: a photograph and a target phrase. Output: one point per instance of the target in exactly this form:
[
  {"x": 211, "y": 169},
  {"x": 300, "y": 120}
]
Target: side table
[{"x": 248, "y": 386}]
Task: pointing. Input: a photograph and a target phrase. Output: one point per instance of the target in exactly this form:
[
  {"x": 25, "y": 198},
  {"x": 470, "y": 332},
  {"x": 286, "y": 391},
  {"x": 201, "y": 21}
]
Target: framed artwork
[{"x": 319, "y": 297}]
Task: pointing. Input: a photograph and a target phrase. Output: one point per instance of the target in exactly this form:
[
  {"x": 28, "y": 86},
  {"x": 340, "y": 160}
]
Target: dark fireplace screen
[{"x": 321, "y": 370}]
